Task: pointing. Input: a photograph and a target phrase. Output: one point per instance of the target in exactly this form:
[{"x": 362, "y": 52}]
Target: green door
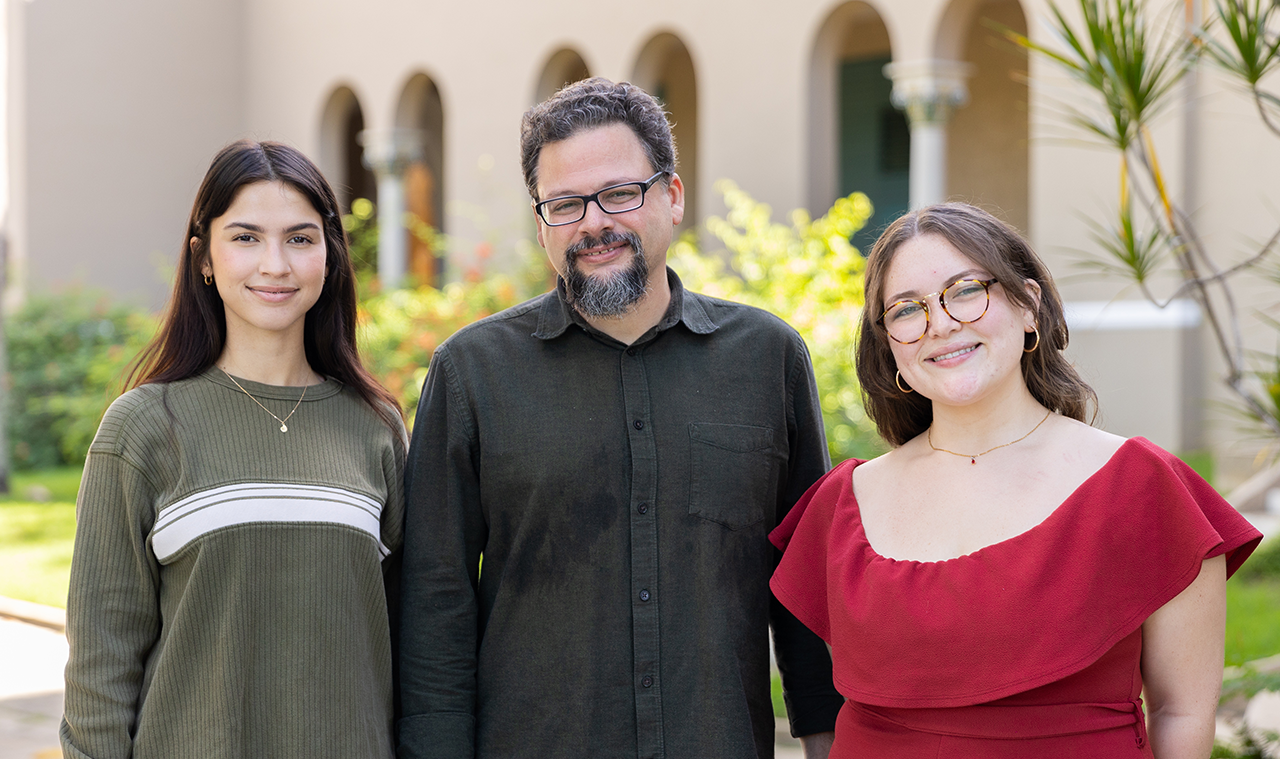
[{"x": 875, "y": 145}]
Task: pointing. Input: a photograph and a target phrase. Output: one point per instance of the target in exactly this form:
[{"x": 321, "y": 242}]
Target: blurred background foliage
[
  {"x": 67, "y": 357},
  {"x": 809, "y": 274}
]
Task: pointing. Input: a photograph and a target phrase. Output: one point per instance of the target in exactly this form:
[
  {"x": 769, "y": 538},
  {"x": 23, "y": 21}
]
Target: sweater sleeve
[
  {"x": 439, "y": 613},
  {"x": 393, "y": 538},
  {"x": 113, "y": 615}
]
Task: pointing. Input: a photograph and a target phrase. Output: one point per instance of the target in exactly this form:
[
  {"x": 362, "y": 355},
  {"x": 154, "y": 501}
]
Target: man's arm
[
  {"x": 444, "y": 535},
  {"x": 803, "y": 661},
  {"x": 818, "y": 745}
]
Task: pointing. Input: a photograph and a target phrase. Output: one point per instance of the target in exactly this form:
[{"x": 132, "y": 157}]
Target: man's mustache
[{"x": 608, "y": 238}]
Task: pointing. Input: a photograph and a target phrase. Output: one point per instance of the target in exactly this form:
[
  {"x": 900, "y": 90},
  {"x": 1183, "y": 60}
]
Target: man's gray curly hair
[{"x": 591, "y": 103}]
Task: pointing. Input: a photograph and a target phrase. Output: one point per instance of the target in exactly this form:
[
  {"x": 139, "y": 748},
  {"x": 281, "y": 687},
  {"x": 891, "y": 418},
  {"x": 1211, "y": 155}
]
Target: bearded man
[{"x": 591, "y": 482}]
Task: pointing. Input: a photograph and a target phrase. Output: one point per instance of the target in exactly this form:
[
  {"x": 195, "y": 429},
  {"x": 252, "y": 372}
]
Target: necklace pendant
[
  {"x": 973, "y": 460},
  {"x": 284, "y": 427}
]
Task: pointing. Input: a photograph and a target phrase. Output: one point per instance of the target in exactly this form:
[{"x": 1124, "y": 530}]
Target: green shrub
[
  {"x": 67, "y": 354},
  {"x": 362, "y": 236},
  {"x": 809, "y": 274},
  {"x": 399, "y": 330},
  {"x": 1246, "y": 746}
]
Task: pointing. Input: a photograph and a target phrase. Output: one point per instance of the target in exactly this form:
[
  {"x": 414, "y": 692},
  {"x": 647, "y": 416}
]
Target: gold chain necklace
[
  {"x": 973, "y": 457},
  {"x": 283, "y": 427}
]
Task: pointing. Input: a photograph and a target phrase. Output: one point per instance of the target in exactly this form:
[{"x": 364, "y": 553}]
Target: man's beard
[{"x": 610, "y": 295}]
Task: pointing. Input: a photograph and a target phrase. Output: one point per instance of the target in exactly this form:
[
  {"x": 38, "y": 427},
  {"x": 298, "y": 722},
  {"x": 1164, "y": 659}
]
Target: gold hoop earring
[
  {"x": 208, "y": 280},
  {"x": 897, "y": 380},
  {"x": 1032, "y": 349}
]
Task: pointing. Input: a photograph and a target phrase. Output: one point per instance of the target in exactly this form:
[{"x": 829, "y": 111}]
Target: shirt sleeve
[
  {"x": 113, "y": 615},
  {"x": 803, "y": 660},
  {"x": 393, "y": 460},
  {"x": 444, "y": 536}
]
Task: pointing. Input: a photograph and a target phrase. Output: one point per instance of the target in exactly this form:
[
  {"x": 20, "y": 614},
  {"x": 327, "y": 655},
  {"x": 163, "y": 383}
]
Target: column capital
[
  {"x": 929, "y": 90},
  {"x": 389, "y": 151}
]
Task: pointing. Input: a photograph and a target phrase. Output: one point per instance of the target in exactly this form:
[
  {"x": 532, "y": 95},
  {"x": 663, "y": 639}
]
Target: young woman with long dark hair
[{"x": 242, "y": 504}]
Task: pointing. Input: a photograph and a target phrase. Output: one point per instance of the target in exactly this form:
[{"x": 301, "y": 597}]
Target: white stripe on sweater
[{"x": 198, "y": 514}]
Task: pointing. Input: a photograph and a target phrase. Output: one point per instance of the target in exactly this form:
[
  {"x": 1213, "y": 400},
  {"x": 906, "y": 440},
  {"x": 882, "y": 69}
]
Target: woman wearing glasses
[
  {"x": 241, "y": 506},
  {"x": 1007, "y": 580}
]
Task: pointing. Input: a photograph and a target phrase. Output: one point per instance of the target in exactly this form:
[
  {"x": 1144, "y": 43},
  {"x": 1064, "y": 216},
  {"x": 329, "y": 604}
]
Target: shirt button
[
  {"x": 631, "y": 351},
  {"x": 644, "y": 595},
  {"x": 639, "y": 424},
  {"x": 643, "y": 508},
  {"x": 647, "y": 681}
]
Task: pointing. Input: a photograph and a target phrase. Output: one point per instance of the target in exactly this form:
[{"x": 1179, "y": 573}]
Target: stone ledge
[{"x": 37, "y": 614}]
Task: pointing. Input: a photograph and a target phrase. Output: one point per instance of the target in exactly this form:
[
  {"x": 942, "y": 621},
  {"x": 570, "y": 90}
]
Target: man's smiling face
[{"x": 609, "y": 261}]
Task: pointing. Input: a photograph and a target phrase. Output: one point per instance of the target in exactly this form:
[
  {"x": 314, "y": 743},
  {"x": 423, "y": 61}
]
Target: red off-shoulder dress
[{"x": 1026, "y": 648}]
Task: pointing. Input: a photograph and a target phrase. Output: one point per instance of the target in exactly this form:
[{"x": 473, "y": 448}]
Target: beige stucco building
[{"x": 114, "y": 110}]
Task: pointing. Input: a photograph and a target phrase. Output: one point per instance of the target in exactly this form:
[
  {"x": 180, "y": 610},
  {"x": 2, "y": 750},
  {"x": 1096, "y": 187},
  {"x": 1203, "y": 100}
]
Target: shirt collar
[{"x": 685, "y": 307}]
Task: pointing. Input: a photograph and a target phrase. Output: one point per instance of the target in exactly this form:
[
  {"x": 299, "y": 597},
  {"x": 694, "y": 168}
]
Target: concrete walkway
[{"x": 31, "y": 663}]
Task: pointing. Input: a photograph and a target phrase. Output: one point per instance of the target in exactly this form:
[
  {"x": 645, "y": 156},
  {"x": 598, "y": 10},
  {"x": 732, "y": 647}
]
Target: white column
[
  {"x": 928, "y": 91},
  {"x": 387, "y": 153}
]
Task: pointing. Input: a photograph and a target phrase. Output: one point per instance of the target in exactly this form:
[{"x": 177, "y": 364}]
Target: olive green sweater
[{"x": 227, "y": 587}]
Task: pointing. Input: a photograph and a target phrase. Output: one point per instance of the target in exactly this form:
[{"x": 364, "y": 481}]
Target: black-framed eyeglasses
[
  {"x": 618, "y": 198},
  {"x": 964, "y": 300}
]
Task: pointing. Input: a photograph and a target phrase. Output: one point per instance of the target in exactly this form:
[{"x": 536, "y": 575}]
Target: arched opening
[
  {"x": 420, "y": 121},
  {"x": 989, "y": 163},
  {"x": 858, "y": 141},
  {"x": 564, "y": 67},
  {"x": 340, "y": 152},
  {"x": 665, "y": 69}
]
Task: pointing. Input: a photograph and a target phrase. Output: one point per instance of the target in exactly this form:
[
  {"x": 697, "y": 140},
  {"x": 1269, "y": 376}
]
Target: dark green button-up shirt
[{"x": 621, "y": 497}]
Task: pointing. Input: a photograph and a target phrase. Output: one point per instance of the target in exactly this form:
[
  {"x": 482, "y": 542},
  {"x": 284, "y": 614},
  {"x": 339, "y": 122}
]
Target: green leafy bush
[
  {"x": 362, "y": 236},
  {"x": 399, "y": 330},
  {"x": 809, "y": 274},
  {"x": 67, "y": 354}
]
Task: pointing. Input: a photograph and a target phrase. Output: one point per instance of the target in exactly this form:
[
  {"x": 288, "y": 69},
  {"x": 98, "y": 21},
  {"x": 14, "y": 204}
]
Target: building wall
[
  {"x": 989, "y": 138},
  {"x": 120, "y": 106}
]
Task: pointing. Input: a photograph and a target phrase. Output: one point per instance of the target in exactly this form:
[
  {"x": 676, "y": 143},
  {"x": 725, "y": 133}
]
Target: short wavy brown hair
[{"x": 998, "y": 248}]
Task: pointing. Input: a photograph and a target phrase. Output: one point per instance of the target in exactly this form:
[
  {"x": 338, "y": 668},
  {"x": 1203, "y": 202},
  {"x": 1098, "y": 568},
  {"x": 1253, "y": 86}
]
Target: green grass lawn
[
  {"x": 1253, "y": 619},
  {"x": 36, "y": 538},
  {"x": 62, "y": 484}
]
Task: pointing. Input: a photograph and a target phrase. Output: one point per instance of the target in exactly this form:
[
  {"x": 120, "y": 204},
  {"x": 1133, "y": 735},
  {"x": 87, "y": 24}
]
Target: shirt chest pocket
[{"x": 733, "y": 473}]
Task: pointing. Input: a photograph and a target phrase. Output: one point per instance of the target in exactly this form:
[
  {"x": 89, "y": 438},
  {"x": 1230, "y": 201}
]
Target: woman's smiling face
[
  {"x": 267, "y": 257},
  {"x": 955, "y": 363}
]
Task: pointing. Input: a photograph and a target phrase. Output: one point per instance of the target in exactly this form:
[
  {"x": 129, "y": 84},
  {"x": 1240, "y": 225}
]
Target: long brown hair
[
  {"x": 998, "y": 248},
  {"x": 194, "y": 329}
]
